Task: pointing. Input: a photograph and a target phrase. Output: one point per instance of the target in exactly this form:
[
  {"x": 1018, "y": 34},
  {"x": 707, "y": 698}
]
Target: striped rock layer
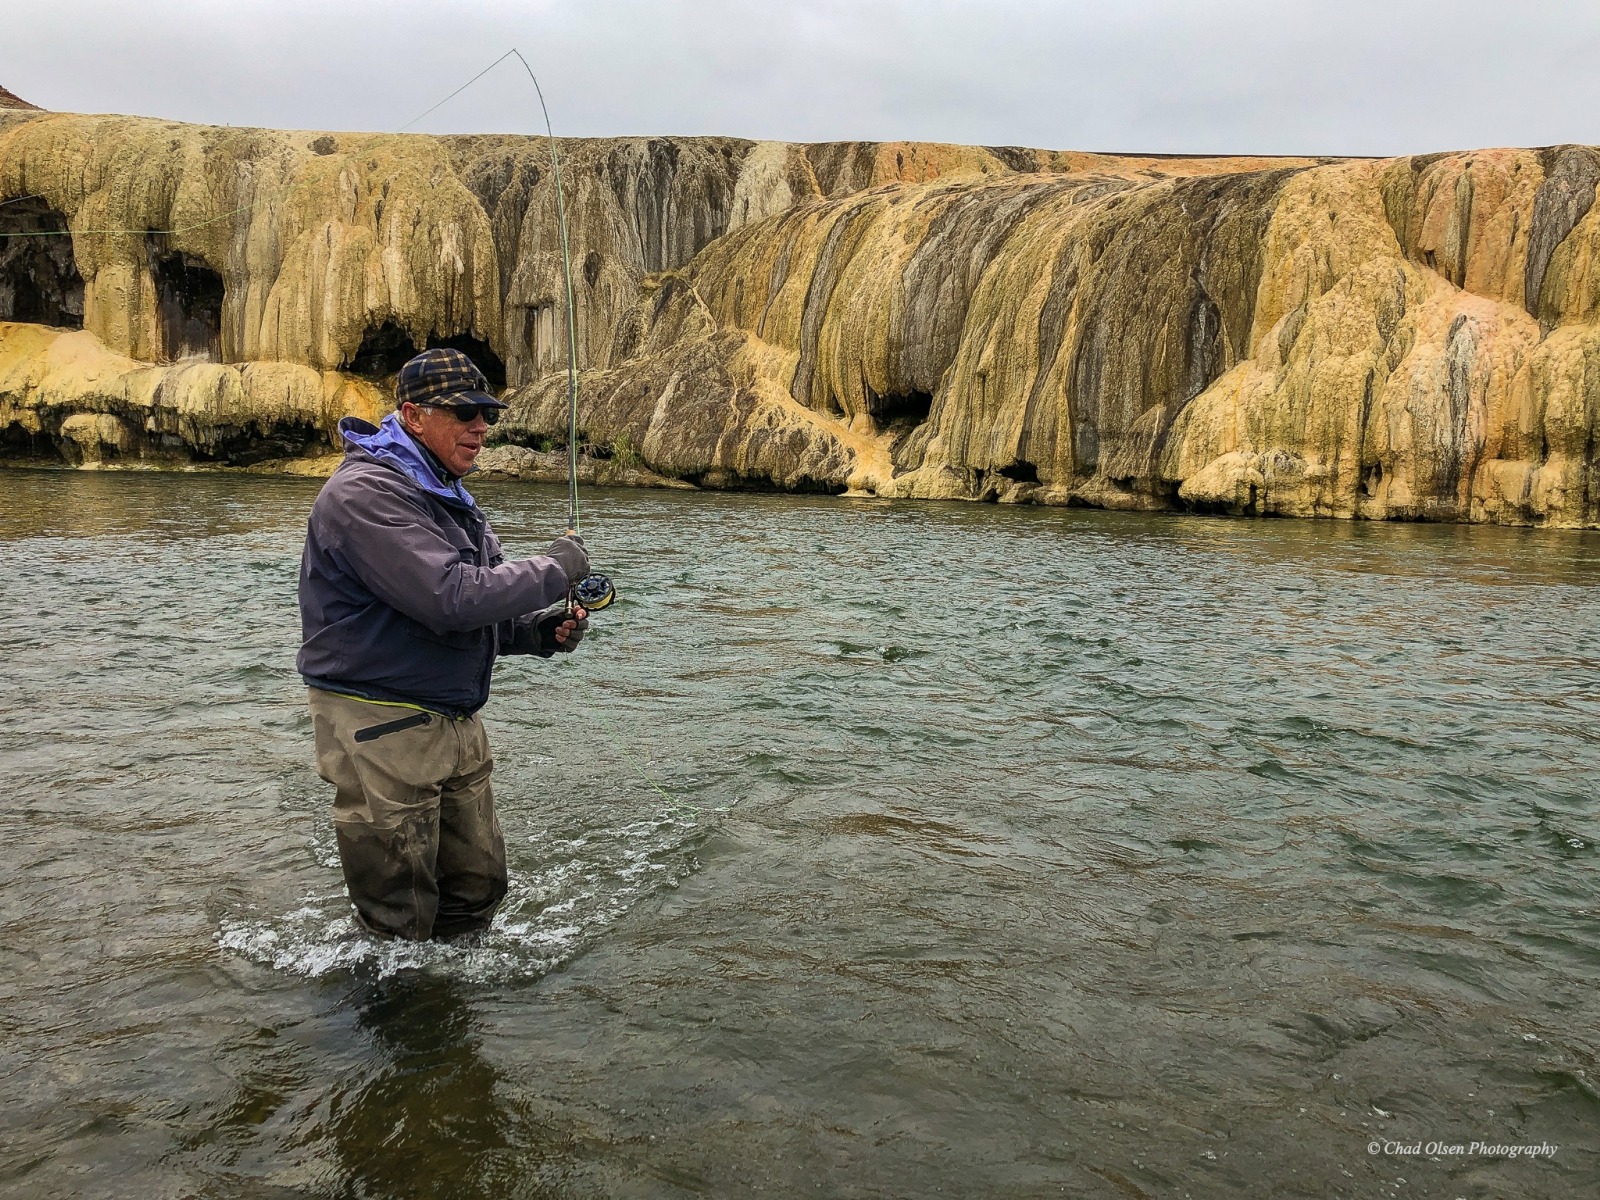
[{"x": 1409, "y": 338}]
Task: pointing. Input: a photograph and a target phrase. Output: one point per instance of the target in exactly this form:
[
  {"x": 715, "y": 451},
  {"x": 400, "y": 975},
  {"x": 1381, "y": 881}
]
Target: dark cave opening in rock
[
  {"x": 1020, "y": 471},
  {"x": 479, "y": 351},
  {"x": 247, "y": 446},
  {"x": 39, "y": 280},
  {"x": 1371, "y": 479},
  {"x": 189, "y": 298},
  {"x": 17, "y": 443},
  {"x": 384, "y": 350},
  {"x": 908, "y": 409}
]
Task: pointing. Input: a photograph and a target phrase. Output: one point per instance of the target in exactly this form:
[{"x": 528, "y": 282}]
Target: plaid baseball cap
[{"x": 443, "y": 377}]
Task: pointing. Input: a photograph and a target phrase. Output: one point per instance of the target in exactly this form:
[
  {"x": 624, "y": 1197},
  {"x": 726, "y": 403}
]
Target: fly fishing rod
[{"x": 594, "y": 591}]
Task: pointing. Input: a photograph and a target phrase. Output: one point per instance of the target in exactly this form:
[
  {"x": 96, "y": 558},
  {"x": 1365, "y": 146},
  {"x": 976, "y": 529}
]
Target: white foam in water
[{"x": 550, "y": 914}]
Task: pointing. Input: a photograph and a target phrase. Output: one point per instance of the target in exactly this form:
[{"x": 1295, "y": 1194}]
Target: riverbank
[
  {"x": 520, "y": 464},
  {"x": 514, "y": 463}
]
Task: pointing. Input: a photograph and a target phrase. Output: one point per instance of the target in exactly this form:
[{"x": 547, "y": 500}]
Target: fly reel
[{"x": 594, "y": 592}]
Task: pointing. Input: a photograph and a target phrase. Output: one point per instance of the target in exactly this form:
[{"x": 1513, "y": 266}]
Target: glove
[
  {"x": 545, "y": 622},
  {"x": 568, "y": 550}
]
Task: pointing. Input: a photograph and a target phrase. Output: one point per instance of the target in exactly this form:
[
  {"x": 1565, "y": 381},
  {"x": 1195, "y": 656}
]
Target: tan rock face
[
  {"x": 1334, "y": 339},
  {"x": 1408, "y": 338},
  {"x": 98, "y": 407}
]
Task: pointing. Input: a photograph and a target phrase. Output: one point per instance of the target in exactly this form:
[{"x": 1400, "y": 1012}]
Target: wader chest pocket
[{"x": 373, "y": 732}]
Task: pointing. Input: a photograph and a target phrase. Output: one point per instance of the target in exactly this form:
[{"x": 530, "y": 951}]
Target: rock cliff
[
  {"x": 9, "y": 99},
  {"x": 1407, "y": 338}
]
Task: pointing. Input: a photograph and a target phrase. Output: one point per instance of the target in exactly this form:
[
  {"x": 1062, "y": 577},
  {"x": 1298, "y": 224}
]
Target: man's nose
[{"x": 478, "y": 424}]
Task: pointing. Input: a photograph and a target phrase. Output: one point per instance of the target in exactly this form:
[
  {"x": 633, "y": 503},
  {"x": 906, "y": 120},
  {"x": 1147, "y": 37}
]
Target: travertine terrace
[{"x": 1402, "y": 338}]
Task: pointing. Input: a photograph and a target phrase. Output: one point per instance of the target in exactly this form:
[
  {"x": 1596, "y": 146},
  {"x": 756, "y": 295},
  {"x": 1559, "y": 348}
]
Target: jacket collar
[{"x": 390, "y": 444}]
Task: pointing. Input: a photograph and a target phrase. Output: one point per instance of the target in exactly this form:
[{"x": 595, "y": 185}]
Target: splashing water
[{"x": 551, "y": 913}]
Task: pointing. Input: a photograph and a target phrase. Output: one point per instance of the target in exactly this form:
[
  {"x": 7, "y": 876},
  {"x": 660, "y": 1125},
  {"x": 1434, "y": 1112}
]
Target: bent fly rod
[{"x": 593, "y": 591}]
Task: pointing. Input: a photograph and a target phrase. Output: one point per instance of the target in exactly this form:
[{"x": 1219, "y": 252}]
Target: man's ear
[{"x": 411, "y": 417}]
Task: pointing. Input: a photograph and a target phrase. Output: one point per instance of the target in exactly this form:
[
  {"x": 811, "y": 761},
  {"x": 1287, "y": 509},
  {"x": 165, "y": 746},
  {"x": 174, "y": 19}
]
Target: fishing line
[
  {"x": 674, "y": 807},
  {"x": 461, "y": 89}
]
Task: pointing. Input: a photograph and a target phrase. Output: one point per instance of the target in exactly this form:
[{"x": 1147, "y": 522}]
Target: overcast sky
[{"x": 1229, "y": 76}]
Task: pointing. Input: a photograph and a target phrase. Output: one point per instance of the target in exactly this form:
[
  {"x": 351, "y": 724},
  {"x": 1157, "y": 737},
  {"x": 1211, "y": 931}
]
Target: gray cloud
[{"x": 1236, "y": 76}]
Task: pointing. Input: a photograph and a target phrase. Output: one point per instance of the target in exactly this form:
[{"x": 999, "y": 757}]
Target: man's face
[{"x": 454, "y": 443}]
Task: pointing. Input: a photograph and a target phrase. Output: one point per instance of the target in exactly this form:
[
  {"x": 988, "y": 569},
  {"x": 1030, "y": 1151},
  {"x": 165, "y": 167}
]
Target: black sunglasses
[{"x": 464, "y": 412}]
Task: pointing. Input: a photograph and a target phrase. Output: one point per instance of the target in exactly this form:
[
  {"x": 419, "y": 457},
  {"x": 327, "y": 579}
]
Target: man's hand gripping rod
[{"x": 591, "y": 593}]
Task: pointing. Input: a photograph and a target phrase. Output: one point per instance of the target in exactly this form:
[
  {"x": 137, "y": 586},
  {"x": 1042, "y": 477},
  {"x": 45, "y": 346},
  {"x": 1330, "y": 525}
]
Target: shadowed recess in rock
[
  {"x": 384, "y": 350},
  {"x": 190, "y": 298},
  {"x": 39, "y": 282}
]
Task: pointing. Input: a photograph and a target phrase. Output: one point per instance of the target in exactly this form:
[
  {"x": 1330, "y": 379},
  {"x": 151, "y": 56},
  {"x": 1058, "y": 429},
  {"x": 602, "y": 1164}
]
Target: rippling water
[{"x": 866, "y": 849}]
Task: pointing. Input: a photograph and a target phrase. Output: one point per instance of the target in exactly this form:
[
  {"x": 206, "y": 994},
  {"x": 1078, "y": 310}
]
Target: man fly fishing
[{"x": 406, "y": 600}]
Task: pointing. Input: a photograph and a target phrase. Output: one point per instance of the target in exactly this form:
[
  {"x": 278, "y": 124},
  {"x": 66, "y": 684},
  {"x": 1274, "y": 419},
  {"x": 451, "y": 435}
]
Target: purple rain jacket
[{"x": 405, "y": 594}]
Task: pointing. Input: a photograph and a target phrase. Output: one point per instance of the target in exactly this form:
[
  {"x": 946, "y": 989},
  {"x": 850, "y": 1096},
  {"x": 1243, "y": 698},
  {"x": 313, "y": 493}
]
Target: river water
[{"x": 865, "y": 849}]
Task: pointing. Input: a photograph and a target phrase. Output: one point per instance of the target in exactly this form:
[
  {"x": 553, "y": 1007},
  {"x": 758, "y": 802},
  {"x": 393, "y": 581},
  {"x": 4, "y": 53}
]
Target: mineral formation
[{"x": 1412, "y": 338}]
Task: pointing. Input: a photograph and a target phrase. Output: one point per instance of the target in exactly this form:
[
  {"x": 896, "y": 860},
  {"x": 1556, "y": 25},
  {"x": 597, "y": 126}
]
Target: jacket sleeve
[
  {"x": 519, "y": 636},
  {"x": 392, "y": 543}
]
